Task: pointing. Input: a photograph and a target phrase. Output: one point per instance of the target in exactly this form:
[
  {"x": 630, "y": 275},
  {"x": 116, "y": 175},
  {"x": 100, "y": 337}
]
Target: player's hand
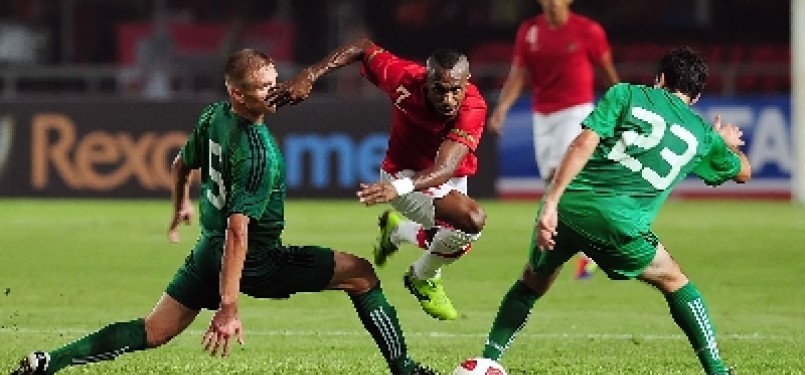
[
  {"x": 378, "y": 192},
  {"x": 225, "y": 325},
  {"x": 277, "y": 97},
  {"x": 547, "y": 221},
  {"x": 299, "y": 88},
  {"x": 183, "y": 215},
  {"x": 496, "y": 121},
  {"x": 731, "y": 134}
]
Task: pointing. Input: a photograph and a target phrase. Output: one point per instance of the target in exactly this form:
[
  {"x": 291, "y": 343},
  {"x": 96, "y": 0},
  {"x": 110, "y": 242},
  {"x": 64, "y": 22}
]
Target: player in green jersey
[
  {"x": 638, "y": 143},
  {"x": 240, "y": 247}
]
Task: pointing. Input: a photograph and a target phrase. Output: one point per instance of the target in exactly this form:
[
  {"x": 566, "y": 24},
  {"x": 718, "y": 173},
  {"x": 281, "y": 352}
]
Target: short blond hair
[{"x": 242, "y": 63}]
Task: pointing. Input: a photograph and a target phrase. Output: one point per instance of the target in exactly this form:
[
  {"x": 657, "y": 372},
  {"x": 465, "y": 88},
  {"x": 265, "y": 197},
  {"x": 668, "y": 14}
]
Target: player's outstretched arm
[
  {"x": 299, "y": 88},
  {"x": 180, "y": 197},
  {"x": 340, "y": 57}
]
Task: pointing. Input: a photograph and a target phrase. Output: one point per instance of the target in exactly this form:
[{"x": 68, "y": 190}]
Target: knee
[
  {"x": 664, "y": 273},
  {"x": 538, "y": 283},
  {"x": 365, "y": 271},
  {"x": 156, "y": 334},
  {"x": 365, "y": 279},
  {"x": 478, "y": 218},
  {"x": 667, "y": 281},
  {"x": 358, "y": 276},
  {"x": 475, "y": 220},
  {"x": 672, "y": 281},
  {"x": 160, "y": 331}
]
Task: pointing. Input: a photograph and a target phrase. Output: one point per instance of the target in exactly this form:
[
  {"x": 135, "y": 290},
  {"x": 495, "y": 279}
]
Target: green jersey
[
  {"x": 242, "y": 171},
  {"x": 650, "y": 140}
]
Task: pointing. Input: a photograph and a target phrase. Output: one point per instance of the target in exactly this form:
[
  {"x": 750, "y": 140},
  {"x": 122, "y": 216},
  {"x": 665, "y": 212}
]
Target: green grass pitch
[{"x": 68, "y": 267}]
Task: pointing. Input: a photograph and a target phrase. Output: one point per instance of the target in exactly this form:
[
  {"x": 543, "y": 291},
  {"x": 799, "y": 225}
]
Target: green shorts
[
  {"x": 270, "y": 271},
  {"x": 624, "y": 260}
]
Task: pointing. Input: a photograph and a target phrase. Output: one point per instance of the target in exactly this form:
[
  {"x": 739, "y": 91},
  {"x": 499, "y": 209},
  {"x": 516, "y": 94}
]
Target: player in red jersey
[
  {"x": 437, "y": 120},
  {"x": 556, "y": 52}
]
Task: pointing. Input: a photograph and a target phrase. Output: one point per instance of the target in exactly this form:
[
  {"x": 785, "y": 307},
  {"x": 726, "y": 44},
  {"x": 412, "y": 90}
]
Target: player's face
[
  {"x": 446, "y": 89},
  {"x": 254, "y": 90},
  {"x": 554, "y": 7}
]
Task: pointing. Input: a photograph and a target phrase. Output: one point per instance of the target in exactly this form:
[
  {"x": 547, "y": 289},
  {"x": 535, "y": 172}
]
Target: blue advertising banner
[
  {"x": 124, "y": 149},
  {"x": 765, "y": 121}
]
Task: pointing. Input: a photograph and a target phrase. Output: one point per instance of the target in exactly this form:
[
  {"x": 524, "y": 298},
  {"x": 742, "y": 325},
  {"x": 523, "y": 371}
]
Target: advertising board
[
  {"x": 123, "y": 149},
  {"x": 764, "y": 120}
]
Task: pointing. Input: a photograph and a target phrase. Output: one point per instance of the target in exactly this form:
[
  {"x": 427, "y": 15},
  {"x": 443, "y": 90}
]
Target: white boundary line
[
  {"x": 445, "y": 335},
  {"x": 536, "y": 186}
]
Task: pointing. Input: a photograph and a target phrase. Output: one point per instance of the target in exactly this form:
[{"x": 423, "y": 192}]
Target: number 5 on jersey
[{"x": 215, "y": 164}]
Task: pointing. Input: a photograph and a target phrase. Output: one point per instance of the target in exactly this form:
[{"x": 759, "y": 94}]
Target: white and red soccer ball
[{"x": 479, "y": 366}]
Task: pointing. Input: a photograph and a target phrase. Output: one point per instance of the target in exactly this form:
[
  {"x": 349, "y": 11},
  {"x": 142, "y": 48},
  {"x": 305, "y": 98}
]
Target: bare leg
[{"x": 167, "y": 320}]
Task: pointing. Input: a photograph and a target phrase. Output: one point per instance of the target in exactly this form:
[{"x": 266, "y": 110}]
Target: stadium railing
[{"x": 735, "y": 70}]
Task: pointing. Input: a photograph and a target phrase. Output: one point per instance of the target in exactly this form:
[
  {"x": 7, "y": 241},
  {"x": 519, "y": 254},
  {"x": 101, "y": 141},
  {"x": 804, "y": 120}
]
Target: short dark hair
[
  {"x": 684, "y": 71},
  {"x": 242, "y": 62},
  {"x": 445, "y": 58}
]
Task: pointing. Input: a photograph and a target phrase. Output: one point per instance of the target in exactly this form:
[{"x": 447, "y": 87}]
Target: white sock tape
[{"x": 403, "y": 186}]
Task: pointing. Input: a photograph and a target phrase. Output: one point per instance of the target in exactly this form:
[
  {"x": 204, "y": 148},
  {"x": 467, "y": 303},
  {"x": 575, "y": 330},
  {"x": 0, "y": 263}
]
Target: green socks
[
  {"x": 512, "y": 317},
  {"x": 104, "y": 344},
  {"x": 686, "y": 304},
  {"x": 690, "y": 314},
  {"x": 380, "y": 318}
]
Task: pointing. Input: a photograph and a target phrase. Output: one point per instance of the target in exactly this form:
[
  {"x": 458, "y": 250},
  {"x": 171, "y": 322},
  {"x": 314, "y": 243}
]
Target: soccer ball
[{"x": 479, "y": 366}]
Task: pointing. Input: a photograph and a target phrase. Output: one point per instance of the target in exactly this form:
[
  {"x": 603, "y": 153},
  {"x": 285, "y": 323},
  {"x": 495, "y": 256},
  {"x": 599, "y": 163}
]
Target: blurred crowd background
[{"x": 169, "y": 49}]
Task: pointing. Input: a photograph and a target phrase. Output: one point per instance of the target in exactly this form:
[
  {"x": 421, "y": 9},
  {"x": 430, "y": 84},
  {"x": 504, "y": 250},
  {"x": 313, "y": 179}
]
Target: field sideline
[{"x": 68, "y": 267}]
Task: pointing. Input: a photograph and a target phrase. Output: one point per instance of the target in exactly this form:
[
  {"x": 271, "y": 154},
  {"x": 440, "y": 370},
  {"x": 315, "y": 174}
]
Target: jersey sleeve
[
  {"x": 720, "y": 164},
  {"x": 470, "y": 121},
  {"x": 192, "y": 153},
  {"x": 251, "y": 178},
  {"x": 609, "y": 109},
  {"x": 520, "y": 44},
  {"x": 598, "y": 45},
  {"x": 383, "y": 69}
]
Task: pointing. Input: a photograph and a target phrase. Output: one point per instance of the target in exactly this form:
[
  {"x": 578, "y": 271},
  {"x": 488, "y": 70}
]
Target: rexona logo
[
  {"x": 337, "y": 160},
  {"x": 6, "y": 140},
  {"x": 99, "y": 160}
]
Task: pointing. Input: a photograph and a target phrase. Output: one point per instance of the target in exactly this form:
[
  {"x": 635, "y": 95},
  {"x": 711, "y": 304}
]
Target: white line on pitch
[{"x": 448, "y": 335}]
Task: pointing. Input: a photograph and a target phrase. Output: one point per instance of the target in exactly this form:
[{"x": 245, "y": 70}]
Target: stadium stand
[{"x": 736, "y": 68}]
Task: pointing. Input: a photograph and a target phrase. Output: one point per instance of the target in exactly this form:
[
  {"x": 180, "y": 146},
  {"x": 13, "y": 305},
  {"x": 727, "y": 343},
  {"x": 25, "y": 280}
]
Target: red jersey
[
  {"x": 560, "y": 61},
  {"x": 417, "y": 130}
]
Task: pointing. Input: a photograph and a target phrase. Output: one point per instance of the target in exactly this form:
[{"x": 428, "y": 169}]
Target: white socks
[
  {"x": 406, "y": 232},
  {"x": 446, "y": 247}
]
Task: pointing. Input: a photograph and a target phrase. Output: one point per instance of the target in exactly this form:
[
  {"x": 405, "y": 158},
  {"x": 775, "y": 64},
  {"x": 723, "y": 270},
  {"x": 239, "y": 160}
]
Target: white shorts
[
  {"x": 418, "y": 205},
  {"x": 554, "y": 132}
]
